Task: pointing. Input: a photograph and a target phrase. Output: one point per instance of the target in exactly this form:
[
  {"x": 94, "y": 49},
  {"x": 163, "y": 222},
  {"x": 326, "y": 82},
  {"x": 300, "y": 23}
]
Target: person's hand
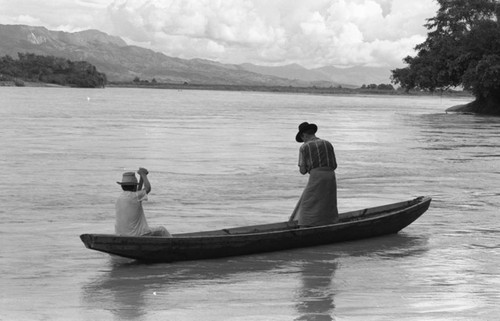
[{"x": 142, "y": 171}]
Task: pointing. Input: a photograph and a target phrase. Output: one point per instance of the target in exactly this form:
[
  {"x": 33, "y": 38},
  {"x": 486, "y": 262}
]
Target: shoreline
[
  {"x": 475, "y": 108},
  {"x": 259, "y": 88},
  {"x": 12, "y": 83},
  {"x": 285, "y": 89}
]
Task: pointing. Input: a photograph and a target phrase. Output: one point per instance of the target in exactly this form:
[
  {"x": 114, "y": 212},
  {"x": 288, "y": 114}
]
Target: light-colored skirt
[
  {"x": 318, "y": 204},
  {"x": 158, "y": 231}
]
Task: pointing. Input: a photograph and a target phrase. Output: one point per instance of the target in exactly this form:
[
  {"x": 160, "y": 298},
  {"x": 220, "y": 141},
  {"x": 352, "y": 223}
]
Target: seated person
[{"x": 130, "y": 219}]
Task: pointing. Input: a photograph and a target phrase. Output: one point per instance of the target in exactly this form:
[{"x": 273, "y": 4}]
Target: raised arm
[{"x": 143, "y": 173}]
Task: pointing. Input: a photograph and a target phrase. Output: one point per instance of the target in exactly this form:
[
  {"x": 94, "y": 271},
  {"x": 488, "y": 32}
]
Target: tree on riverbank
[
  {"x": 462, "y": 49},
  {"x": 50, "y": 69}
]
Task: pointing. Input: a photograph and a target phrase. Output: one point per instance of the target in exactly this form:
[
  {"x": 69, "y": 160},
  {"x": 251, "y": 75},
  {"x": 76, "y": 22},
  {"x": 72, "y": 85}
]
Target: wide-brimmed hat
[
  {"x": 305, "y": 126},
  {"x": 128, "y": 179}
]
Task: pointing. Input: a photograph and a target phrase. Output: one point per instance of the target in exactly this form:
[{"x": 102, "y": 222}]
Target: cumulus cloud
[
  {"x": 55, "y": 14},
  {"x": 312, "y": 33}
]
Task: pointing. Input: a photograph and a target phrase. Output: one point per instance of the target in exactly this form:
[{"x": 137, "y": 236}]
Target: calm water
[{"x": 223, "y": 159}]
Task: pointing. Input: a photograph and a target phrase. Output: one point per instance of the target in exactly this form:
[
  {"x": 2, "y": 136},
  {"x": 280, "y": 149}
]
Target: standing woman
[{"x": 318, "y": 203}]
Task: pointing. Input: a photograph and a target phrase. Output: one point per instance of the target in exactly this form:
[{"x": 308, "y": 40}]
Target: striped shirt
[{"x": 317, "y": 153}]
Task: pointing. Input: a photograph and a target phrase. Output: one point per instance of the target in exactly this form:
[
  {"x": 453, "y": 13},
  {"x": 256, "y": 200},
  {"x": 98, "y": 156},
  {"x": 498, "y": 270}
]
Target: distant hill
[
  {"x": 358, "y": 75},
  {"x": 352, "y": 77},
  {"x": 295, "y": 71},
  {"x": 121, "y": 62}
]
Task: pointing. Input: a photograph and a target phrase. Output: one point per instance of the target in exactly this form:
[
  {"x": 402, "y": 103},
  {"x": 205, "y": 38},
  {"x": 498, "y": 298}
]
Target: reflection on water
[
  {"x": 315, "y": 296},
  {"x": 135, "y": 291},
  {"x": 132, "y": 285},
  {"x": 121, "y": 291},
  {"x": 318, "y": 287}
]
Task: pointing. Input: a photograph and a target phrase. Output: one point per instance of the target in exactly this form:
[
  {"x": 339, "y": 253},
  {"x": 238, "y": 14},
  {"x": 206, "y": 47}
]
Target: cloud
[
  {"x": 27, "y": 20},
  {"x": 312, "y": 33},
  {"x": 55, "y": 14}
]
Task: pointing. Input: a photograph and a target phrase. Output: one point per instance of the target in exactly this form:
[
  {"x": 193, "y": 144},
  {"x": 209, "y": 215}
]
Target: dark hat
[
  {"x": 128, "y": 179},
  {"x": 305, "y": 126}
]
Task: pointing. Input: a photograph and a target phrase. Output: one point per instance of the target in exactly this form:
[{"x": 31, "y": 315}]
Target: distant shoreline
[
  {"x": 12, "y": 83},
  {"x": 287, "y": 89},
  {"x": 252, "y": 88}
]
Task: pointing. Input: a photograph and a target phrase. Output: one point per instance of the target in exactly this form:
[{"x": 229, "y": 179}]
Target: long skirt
[{"x": 318, "y": 204}]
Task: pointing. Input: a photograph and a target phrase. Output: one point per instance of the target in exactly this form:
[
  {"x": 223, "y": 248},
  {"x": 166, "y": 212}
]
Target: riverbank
[
  {"x": 257, "y": 88},
  {"x": 19, "y": 83},
  {"x": 286, "y": 89},
  {"x": 476, "y": 107},
  {"x": 468, "y": 108}
]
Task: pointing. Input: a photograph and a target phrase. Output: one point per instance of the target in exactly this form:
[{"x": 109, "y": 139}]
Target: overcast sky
[{"x": 312, "y": 33}]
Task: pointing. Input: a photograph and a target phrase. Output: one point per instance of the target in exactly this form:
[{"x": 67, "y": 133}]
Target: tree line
[
  {"x": 50, "y": 69},
  {"x": 462, "y": 49},
  {"x": 378, "y": 87}
]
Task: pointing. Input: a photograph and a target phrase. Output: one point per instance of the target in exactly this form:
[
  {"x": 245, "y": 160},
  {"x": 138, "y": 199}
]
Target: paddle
[{"x": 296, "y": 209}]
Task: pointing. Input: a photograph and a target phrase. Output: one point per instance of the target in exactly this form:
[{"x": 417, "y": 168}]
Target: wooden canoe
[{"x": 365, "y": 223}]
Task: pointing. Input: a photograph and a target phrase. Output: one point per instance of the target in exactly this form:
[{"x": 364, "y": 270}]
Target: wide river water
[{"x": 223, "y": 159}]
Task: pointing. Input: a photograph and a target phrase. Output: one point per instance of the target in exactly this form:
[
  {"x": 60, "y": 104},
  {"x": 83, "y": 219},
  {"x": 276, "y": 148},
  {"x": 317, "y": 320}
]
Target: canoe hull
[{"x": 361, "y": 224}]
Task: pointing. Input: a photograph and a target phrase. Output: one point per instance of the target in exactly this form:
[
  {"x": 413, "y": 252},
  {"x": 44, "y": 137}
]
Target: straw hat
[{"x": 128, "y": 179}]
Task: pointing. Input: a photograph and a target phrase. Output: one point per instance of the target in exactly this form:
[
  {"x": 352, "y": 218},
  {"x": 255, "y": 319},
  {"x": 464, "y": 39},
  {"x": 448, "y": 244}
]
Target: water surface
[{"x": 224, "y": 159}]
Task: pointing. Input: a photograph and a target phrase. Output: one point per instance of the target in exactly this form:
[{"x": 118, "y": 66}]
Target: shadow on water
[{"x": 125, "y": 288}]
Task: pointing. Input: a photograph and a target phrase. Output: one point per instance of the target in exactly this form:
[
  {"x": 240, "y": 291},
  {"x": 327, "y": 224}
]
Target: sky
[{"x": 312, "y": 33}]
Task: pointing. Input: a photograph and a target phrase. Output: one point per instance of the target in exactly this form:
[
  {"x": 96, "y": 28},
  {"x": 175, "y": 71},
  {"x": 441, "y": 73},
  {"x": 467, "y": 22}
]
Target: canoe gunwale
[
  {"x": 365, "y": 223},
  {"x": 391, "y": 209}
]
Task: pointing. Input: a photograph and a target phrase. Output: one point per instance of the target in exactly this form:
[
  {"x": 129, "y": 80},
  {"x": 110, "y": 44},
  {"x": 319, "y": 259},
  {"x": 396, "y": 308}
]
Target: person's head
[
  {"x": 305, "y": 130},
  {"x": 129, "y": 188},
  {"x": 129, "y": 182}
]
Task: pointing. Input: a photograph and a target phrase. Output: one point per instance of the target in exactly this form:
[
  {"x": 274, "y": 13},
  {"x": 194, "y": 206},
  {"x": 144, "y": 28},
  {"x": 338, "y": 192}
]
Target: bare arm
[
  {"x": 143, "y": 173},
  {"x": 302, "y": 164},
  {"x": 141, "y": 182}
]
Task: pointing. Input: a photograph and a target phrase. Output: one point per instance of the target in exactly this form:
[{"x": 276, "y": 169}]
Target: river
[{"x": 223, "y": 159}]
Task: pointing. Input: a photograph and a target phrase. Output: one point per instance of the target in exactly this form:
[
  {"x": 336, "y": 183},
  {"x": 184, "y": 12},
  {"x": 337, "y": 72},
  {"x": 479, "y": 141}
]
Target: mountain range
[{"x": 122, "y": 62}]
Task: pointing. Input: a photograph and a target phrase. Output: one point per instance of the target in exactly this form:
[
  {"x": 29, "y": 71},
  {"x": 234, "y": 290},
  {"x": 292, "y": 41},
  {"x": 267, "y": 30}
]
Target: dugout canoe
[{"x": 360, "y": 224}]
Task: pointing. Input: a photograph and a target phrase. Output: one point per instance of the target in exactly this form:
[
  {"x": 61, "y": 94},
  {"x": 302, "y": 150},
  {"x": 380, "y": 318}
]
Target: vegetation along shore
[
  {"x": 462, "y": 49},
  {"x": 31, "y": 69}
]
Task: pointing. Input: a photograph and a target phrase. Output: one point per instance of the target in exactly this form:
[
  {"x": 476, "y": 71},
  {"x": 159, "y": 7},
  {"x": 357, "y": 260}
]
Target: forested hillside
[{"x": 50, "y": 69}]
